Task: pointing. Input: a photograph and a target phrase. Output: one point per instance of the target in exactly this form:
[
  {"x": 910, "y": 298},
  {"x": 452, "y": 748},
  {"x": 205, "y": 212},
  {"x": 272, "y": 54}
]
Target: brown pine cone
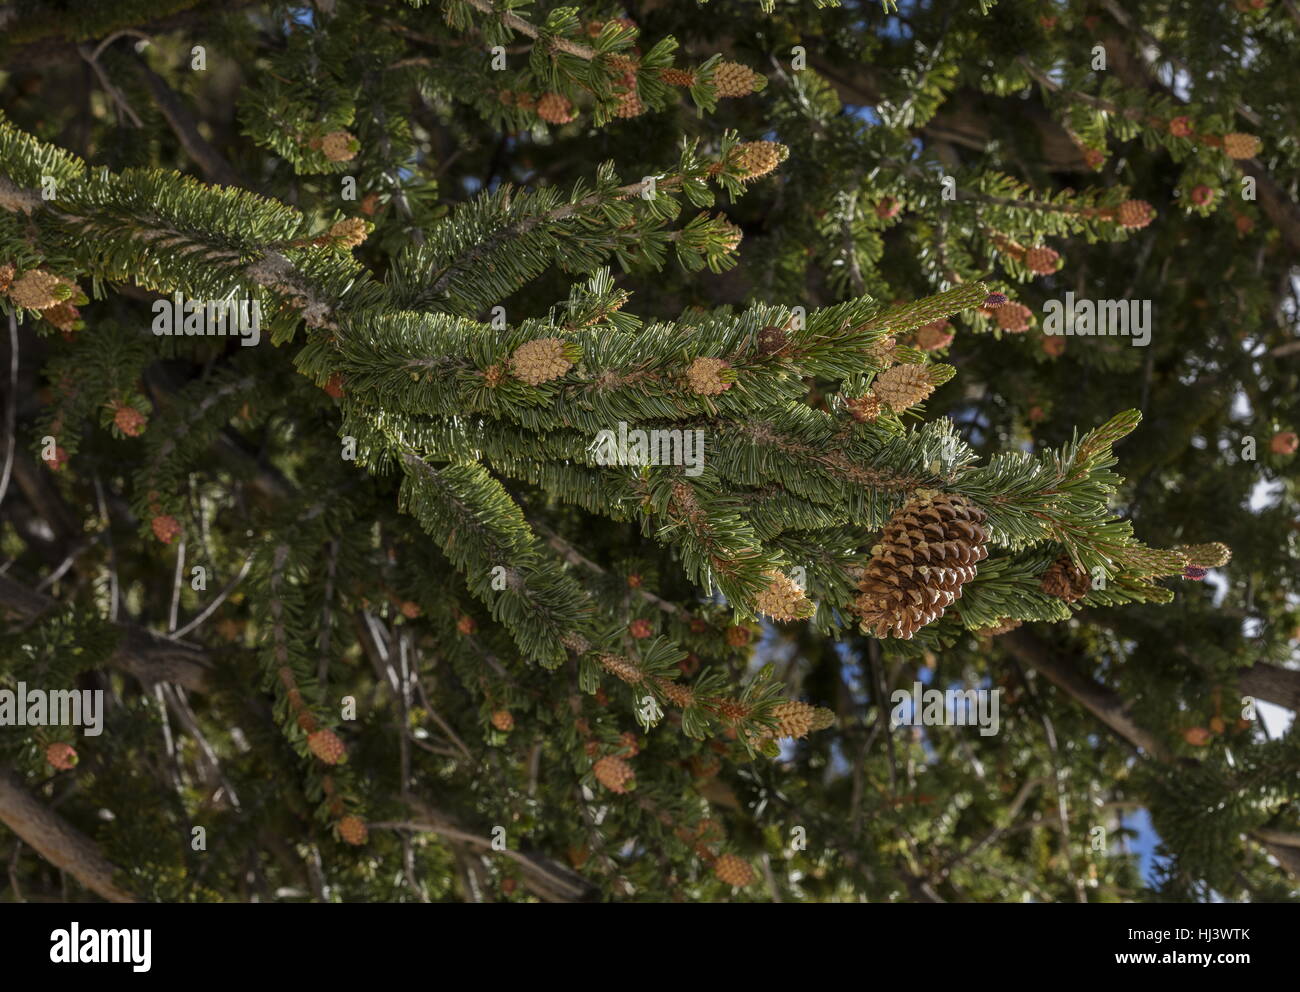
[
  {"x": 1064, "y": 581},
  {"x": 613, "y": 773},
  {"x": 732, "y": 79},
  {"x": 929, "y": 549},
  {"x": 503, "y": 721},
  {"x": 733, "y": 870},
  {"x": 771, "y": 339},
  {"x": 903, "y": 386}
]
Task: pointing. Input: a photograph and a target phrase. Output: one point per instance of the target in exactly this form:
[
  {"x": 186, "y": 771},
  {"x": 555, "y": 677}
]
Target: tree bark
[
  {"x": 1106, "y": 705},
  {"x": 59, "y": 843}
]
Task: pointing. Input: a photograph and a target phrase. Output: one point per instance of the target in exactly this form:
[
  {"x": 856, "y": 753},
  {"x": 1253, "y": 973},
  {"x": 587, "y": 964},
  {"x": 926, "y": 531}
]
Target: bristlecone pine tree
[{"x": 407, "y": 443}]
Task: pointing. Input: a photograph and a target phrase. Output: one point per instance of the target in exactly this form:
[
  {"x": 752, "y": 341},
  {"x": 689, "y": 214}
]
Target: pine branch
[{"x": 147, "y": 656}]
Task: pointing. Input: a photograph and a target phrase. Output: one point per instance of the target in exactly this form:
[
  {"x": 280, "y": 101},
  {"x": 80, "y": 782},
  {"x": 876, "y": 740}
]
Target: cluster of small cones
[
  {"x": 1038, "y": 259},
  {"x": 895, "y": 390},
  {"x": 56, "y": 297},
  {"x": 1234, "y": 144}
]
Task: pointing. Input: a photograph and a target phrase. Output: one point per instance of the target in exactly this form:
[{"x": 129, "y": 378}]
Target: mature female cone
[
  {"x": 929, "y": 549},
  {"x": 733, "y": 870},
  {"x": 1064, "y": 581},
  {"x": 903, "y": 386}
]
